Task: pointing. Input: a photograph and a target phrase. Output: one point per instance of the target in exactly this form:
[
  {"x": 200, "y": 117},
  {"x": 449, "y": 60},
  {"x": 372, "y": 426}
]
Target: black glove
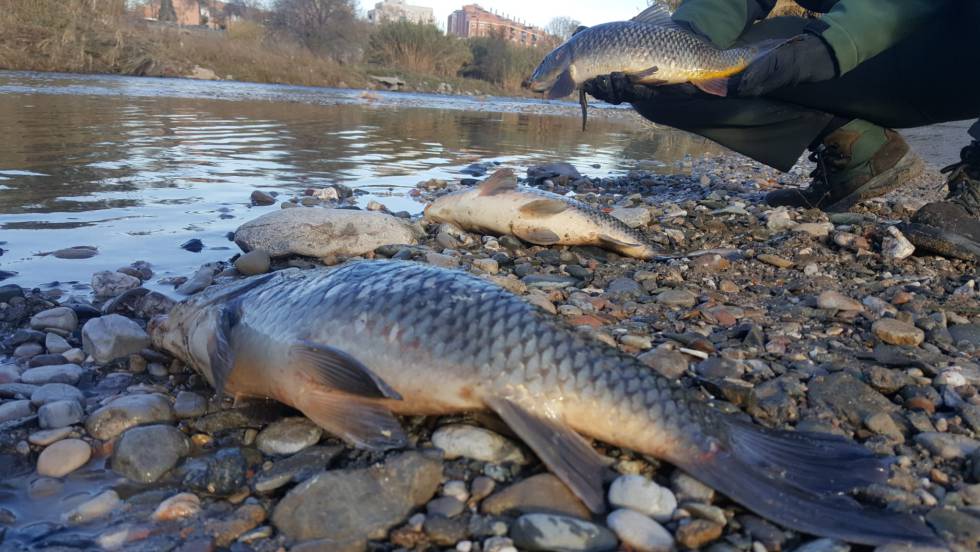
[
  {"x": 805, "y": 58},
  {"x": 619, "y": 87}
]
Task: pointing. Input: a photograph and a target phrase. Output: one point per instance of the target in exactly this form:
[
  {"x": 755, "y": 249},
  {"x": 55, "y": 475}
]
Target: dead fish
[
  {"x": 500, "y": 206},
  {"x": 650, "y": 48},
  {"x": 351, "y": 347}
]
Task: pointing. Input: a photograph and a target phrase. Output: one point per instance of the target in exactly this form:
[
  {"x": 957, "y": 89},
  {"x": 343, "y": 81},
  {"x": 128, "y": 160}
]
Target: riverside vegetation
[{"x": 88, "y": 36}]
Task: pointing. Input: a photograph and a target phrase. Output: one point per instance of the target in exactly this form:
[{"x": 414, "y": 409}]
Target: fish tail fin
[{"x": 797, "y": 479}]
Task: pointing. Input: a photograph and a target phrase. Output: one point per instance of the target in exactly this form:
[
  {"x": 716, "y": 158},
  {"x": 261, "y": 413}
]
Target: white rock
[
  {"x": 896, "y": 246},
  {"x": 93, "y": 509},
  {"x": 638, "y": 493},
  {"x": 779, "y": 219},
  {"x": 639, "y": 532},
  {"x": 815, "y": 229},
  {"x": 59, "y": 318},
  {"x": 288, "y": 436},
  {"x": 468, "y": 441},
  {"x": 322, "y": 232},
  {"x": 113, "y": 336},
  {"x": 835, "y": 300},
  {"x": 634, "y": 217},
  {"x": 110, "y": 284},
  {"x": 63, "y": 457},
  {"x": 74, "y": 356}
]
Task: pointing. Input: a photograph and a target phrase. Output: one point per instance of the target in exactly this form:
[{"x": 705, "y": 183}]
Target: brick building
[
  {"x": 473, "y": 21},
  {"x": 398, "y": 10},
  {"x": 210, "y": 13}
]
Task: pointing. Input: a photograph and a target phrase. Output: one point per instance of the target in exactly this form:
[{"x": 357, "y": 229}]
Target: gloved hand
[
  {"x": 618, "y": 88},
  {"x": 805, "y": 58}
]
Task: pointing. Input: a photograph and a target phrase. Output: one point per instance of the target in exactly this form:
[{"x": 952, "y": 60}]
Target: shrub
[
  {"x": 502, "y": 62},
  {"x": 418, "y": 48}
]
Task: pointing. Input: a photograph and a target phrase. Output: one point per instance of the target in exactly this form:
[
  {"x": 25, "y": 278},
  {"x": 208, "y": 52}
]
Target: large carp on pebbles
[{"x": 351, "y": 347}]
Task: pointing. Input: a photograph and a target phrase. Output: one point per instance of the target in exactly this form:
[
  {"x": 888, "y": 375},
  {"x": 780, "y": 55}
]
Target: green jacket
[{"x": 856, "y": 30}]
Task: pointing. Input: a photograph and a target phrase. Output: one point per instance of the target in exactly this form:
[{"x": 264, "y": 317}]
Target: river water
[{"x": 137, "y": 166}]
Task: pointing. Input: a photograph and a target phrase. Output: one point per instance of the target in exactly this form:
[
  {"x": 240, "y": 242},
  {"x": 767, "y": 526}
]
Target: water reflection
[{"x": 138, "y": 166}]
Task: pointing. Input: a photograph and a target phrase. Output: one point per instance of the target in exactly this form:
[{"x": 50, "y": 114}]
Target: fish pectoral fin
[
  {"x": 566, "y": 453},
  {"x": 363, "y": 423},
  {"x": 610, "y": 241},
  {"x": 644, "y": 76},
  {"x": 564, "y": 86},
  {"x": 715, "y": 87},
  {"x": 537, "y": 236},
  {"x": 221, "y": 354},
  {"x": 338, "y": 370},
  {"x": 544, "y": 207},
  {"x": 500, "y": 181}
]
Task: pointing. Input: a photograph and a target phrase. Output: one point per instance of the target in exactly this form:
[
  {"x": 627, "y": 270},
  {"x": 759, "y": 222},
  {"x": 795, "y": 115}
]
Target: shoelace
[
  {"x": 821, "y": 173},
  {"x": 964, "y": 189}
]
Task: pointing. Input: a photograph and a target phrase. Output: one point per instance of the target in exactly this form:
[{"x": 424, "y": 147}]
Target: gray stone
[
  {"x": 542, "y": 493},
  {"x": 288, "y": 436},
  {"x": 113, "y": 336},
  {"x": 548, "y": 532},
  {"x": 201, "y": 279},
  {"x": 969, "y": 333},
  {"x": 686, "y": 488},
  {"x": 445, "y": 506},
  {"x": 823, "y": 545},
  {"x": 58, "y": 318},
  {"x": 947, "y": 445},
  {"x": 51, "y": 392},
  {"x": 296, "y": 469},
  {"x": 95, "y": 508},
  {"x": 358, "y": 504},
  {"x": 54, "y": 415},
  {"x": 847, "y": 397},
  {"x": 63, "y": 457},
  {"x": 253, "y": 263},
  {"x": 639, "y": 532},
  {"x": 322, "y": 232},
  {"x": 669, "y": 364},
  {"x": 634, "y": 217},
  {"x": 110, "y": 284},
  {"x": 677, "y": 298},
  {"x": 14, "y": 410},
  {"x": 9, "y": 374},
  {"x": 553, "y": 170},
  {"x": 835, "y": 300},
  {"x": 55, "y": 344},
  {"x": 63, "y": 373},
  {"x": 144, "y": 454},
  {"x": 189, "y": 405},
  {"x": 477, "y": 443},
  {"x": 28, "y": 350},
  {"x": 262, "y": 198},
  {"x": 126, "y": 412}
]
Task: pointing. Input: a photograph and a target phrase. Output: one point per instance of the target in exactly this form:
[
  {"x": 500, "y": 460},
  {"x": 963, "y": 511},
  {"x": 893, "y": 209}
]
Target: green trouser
[{"x": 931, "y": 77}]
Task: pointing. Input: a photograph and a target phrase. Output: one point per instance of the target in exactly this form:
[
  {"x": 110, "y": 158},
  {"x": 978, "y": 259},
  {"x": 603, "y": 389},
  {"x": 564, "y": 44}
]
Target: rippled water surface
[{"x": 138, "y": 166}]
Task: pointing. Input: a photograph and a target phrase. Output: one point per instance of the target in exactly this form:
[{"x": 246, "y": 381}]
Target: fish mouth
[{"x": 157, "y": 327}]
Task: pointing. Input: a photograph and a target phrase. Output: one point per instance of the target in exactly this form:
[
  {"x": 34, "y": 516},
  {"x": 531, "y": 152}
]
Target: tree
[
  {"x": 167, "y": 11},
  {"x": 562, "y": 27},
  {"x": 325, "y": 26},
  {"x": 672, "y": 4}
]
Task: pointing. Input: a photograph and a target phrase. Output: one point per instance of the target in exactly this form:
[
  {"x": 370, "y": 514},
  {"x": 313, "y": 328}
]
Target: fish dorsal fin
[
  {"x": 566, "y": 453},
  {"x": 579, "y": 29},
  {"x": 501, "y": 181},
  {"x": 544, "y": 207},
  {"x": 336, "y": 369},
  {"x": 656, "y": 14}
]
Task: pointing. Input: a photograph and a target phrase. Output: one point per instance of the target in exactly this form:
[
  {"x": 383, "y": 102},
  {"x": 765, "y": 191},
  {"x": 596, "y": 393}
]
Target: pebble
[
  {"x": 55, "y": 344},
  {"x": 677, "y": 298},
  {"x": 543, "y": 493},
  {"x": 969, "y": 333},
  {"x": 113, "y": 336},
  {"x": 445, "y": 506},
  {"x": 296, "y": 468},
  {"x": 288, "y": 436},
  {"x": 851, "y": 241},
  {"x": 639, "y": 532},
  {"x": 895, "y": 245},
  {"x": 74, "y": 356},
  {"x": 9, "y": 374},
  {"x": 440, "y": 260},
  {"x": 634, "y": 217},
  {"x": 473, "y": 442},
  {"x": 835, "y": 300},
  {"x": 261, "y": 198},
  {"x": 698, "y": 533},
  {"x": 814, "y": 229},
  {"x": 488, "y": 266},
  {"x": 45, "y": 437},
  {"x": 128, "y": 411},
  {"x": 686, "y": 488},
  {"x": 14, "y": 410},
  {"x": 254, "y": 262},
  {"x": 63, "y": 457},
  {"x": 58, "y": 318},
  {"x": 57, "y": 414},
  {"x": 669, "y": 364},
  {"x": 95, "y": 508},
  {"x": 201, "y": 279},
  {"x": 110, "y": 284},
  {"x": 143, "y": 454},
  {"x": 547, "y": 532},
  {"x": 179, "y": 506},
  {"x": 776, "y": 261},
  {"x": 823, "y": 545},
  {"x": 189, "y": 405},
  {"x": 28, "y": 350},
  {"x": 779, "y": 219},
  {"x": 896, "y": 332},
  {"x": 947, "y": 446},
  {"x": 456, "y": 489},
  {"x": 638, "y": 493}
]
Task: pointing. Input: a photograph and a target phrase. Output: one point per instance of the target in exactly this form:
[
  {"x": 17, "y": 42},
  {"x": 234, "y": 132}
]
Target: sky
[{"x": 536, "y": 12}]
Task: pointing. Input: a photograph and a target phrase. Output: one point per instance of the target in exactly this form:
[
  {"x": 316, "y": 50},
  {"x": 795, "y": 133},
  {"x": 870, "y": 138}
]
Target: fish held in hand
[
  {"x": 353, "y": 346},
  {"x": 650, "y": 48},
  {"x": 500, "y": 206}
]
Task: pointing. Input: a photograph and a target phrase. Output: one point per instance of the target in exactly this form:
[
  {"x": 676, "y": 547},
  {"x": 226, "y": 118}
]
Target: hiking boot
[
  {"x": 951, "y": 228},
  {"x": 858, "y": 161}
]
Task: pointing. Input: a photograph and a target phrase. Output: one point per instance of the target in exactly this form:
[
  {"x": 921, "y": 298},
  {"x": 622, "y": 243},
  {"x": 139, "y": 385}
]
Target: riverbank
[{"x": 794, "y": 318}]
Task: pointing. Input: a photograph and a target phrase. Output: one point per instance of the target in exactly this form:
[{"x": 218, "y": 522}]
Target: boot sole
[
  {"x": 941, "y": 242},
  {"x": 908, "y": 167}
]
